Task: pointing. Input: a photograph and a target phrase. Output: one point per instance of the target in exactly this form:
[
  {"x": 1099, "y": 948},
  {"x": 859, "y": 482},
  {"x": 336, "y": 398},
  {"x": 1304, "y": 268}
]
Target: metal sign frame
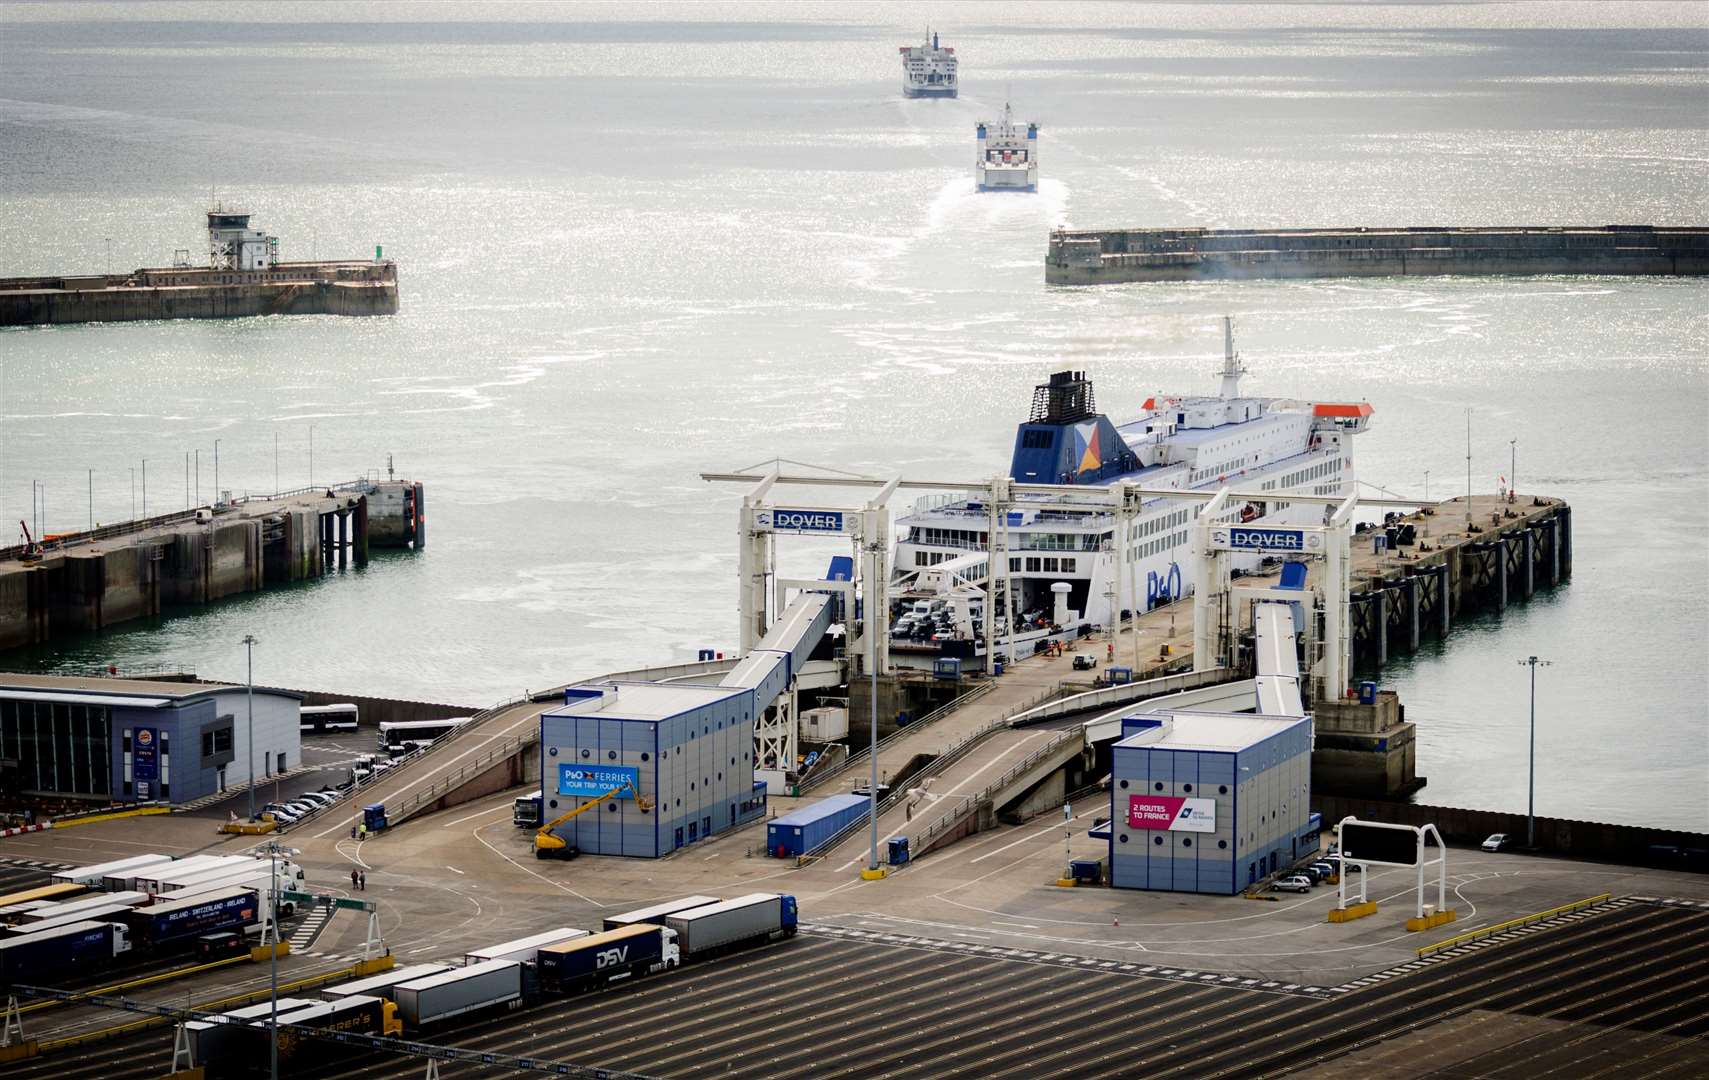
[{"x": 1422, "y": 833}]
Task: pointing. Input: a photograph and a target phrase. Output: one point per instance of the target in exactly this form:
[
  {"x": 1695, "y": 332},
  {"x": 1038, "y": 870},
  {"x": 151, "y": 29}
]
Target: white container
[
  {"x": 825, "y": 724},
  {"x": 460, "y": 990}
]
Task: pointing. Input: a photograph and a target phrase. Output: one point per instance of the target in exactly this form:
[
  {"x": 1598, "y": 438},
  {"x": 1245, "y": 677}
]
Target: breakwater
[
  {"x": 301, "y": 288},
  {"x": 89, "y": 581},
  {"x": 1108, "y": 256}
]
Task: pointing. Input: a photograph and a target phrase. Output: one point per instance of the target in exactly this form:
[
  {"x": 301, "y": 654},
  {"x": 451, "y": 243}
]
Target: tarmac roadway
[{"x": 1614, "y": 993}]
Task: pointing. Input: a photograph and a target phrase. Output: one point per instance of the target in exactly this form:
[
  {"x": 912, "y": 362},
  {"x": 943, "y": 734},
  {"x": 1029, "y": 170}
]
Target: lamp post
[
  {"x": 1533, "y": 663},
  {"x": 216, "y": 472},
  {"x": 311, "y": 455},
  {"x": 249, "y": 682},
  {"x": 1512, "y": 466},
  {"x": 273, "y": 852},
  {"x": 1426, "y": 485}
]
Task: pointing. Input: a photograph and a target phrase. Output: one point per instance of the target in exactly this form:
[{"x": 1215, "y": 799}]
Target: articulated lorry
[
  {"x": 95, "y": 874},
  {"x": 599, "y": 958},
  {"x": 733, "y": 923},
  {"x": 298, "y": 1050},
  {"x": 47, "y": 957},
  {"x": 50, "y": 954},
  {"x": 437, "y": 998}
]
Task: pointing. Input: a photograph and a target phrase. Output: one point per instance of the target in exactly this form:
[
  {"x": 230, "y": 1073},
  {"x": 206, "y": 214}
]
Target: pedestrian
[
  {"x": 362, "y": 831},
  {"x": 355, "y": 877},
  {"x": 352, "y": 832},
  {"x": 362, "y": 877}
]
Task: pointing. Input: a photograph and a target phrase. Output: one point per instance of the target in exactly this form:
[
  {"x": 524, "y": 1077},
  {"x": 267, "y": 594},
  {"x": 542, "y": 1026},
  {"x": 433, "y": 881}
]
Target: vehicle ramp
[{"x": 785, "y": 648}]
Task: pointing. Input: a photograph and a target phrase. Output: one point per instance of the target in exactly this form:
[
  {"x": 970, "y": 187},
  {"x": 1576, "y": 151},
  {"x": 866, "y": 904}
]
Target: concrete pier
[
  {"x": 305, "y": 288},
  {"x": 90, "y": 581},
  {"x": 1108, "y": 256}
]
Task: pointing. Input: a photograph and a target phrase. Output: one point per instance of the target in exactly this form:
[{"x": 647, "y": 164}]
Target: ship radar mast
[{"x": 1232, "y": 369}]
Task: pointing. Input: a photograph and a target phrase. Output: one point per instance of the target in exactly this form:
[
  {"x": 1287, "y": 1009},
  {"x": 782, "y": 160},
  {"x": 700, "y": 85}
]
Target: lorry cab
[
  {"x": 220, "y": 945},
  {"x": 787, "y": 914}
]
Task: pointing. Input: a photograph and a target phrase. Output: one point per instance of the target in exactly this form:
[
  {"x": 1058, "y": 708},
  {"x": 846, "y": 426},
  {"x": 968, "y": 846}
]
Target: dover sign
[
  {"x": 802, "y": 521},
  {"x": 1176, "y": 814},
  {"x": 1254, "y": 538}
]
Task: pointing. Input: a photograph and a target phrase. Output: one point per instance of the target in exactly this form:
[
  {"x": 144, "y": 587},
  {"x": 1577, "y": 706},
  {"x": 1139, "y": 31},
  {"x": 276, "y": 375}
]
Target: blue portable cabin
[{"x": 800, "y": 832}]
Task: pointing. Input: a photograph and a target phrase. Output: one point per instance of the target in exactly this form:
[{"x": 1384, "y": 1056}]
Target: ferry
[
  {"x": 1062, "y": 563},
  {"x": 927, "y": 70},
  {"x": 1007, "y": 155}
]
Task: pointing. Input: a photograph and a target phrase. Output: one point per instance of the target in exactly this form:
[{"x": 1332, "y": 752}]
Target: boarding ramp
[
  {"x": 1274, "y": 640},
  {"x": 784, "y": 650}
]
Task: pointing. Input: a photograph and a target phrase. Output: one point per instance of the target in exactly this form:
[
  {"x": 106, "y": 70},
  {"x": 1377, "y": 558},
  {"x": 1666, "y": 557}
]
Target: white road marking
[
  {"x": 453, "y": 869},
  {"x": 480, "y": 813}
]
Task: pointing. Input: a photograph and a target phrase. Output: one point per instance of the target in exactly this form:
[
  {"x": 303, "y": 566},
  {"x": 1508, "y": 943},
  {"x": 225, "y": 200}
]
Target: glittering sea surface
[{"x": 641, "y": 241}]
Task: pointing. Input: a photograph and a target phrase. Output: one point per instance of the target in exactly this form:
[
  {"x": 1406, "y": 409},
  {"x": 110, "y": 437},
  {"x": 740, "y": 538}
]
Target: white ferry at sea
[
  {"x": 927, "y": 70},
  {"x": 1007, "y": 158},
  {"x": 1062, "y": 567}
]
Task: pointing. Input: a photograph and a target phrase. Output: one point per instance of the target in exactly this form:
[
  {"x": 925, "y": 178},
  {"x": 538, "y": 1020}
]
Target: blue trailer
[
  {"x": 630, "y": 950},
  {"x": 49, "y": 956},
  {"x": 804, "y": 830},
  {"x": 169, "y": 925}
]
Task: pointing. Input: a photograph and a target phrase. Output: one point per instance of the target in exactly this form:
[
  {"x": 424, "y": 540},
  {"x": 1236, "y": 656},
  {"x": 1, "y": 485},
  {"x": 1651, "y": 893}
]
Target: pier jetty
[
  {"x": 1110, "y": 256},
  {"x": 88, "y": 581},
  {"x": 243, "y": 277}
]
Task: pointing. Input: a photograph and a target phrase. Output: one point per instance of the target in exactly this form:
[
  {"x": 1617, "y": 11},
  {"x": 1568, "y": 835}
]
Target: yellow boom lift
[{"x": 549, "y": 845}]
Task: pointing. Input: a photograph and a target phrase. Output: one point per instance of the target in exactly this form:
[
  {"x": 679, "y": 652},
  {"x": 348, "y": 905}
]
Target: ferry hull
[{"x": 912, "y": 92}]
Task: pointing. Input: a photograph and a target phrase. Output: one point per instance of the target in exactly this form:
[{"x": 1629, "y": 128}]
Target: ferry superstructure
[
  {"x": 1006, "y": 155},
  {"x": 1062, "y": 563},
  {"x": 927, "y": 70}
]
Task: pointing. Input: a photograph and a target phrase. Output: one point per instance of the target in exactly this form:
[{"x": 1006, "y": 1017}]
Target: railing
[
  {"x": 128, "y": 528},
  {"x": 861, "y": 756},
  {"x": 452, "y": 780},
  {"x": 1514, "y": 924}
]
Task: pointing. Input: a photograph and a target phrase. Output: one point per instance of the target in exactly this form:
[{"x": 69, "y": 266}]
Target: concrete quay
[
  {"x": 287, "y": 288},
  {"x": 1109, "y": 256},
  {"x": 82, "y": 582}
]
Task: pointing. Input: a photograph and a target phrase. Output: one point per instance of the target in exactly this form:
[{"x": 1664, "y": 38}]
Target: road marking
[
  {"x": 479, "y": 813},
  {"x": 453, "y": 869},
  {"x": 712, "y": 856},
  {"x": 1022, "y": 925}
]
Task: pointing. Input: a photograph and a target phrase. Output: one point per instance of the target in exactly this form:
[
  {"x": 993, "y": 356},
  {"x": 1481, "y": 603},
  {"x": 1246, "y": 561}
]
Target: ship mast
[{"x": 1232, "y": 369}]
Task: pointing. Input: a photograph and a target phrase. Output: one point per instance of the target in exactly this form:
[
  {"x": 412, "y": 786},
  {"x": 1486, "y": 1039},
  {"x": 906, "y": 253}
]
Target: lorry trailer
[
  {"x": 63, "y": 891},
  {"x": 18, "y": 913},
  {"x": 95, "y": 873},
  {"x": 732, "y": 923},
  {"x": 381, "y": 985},
  {"x": 631, "y": 950},
  {"x": 109, "y": 913},
  {"x": 87, "y": 903},
  {"x": 170, "y": 881},
  {"x": 49, "y": 956},
  {"x": 522, "y": 950},
  {"x": 163, "y": 878},
  {"x": 211, "y": 1040},
  {"x": 299, "y": 1051},
  {"x": 164, "y": 926},
  {"x": 656, "y": 914},
  {"x": 425, "y": 1002}
]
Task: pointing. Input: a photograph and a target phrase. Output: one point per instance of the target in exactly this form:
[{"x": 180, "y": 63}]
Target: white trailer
[
  {"x": 385, "y": 983},
  {"x": 95, "y": 874},
  {"x": 425, "y": 1002},
  {"x": 754, "y": 917},
  {"x": 151, "y": 881},
  {"x": 48, "y": 911},
  {"x": 210, "y": 1040},
  {"x": 523, "y": 949}
]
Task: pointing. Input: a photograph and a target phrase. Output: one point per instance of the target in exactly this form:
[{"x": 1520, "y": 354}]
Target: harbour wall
[
  {"x": 1098, "y": 257},
  {"x": 1631, "y": 844},
  {"x": 286, "y": 289},
  {"x": 89, "y": 581}
]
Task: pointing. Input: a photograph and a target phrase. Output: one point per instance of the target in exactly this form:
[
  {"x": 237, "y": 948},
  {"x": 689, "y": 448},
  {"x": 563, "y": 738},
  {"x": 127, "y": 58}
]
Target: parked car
[
  {"x": 1310, "y": 872},
  {"x": 319, "y": 798},
  {"x": 1327, "y": 869},
  {"x": 1085, "y": 661},
  {"x": 1293, "y": 883},
  {"x": 1498, "y": 842}
]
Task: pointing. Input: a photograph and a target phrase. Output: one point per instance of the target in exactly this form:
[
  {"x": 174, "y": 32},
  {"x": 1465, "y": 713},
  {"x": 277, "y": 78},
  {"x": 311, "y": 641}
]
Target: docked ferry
[
  {"x": 927, "y": 70},
  {"x": 1007, "y": 155},
  {"x": 1062, "y": 561}
]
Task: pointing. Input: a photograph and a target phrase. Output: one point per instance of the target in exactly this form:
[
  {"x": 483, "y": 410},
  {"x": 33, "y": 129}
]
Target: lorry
[
  {"x": 95, "y": 873},
  {"x": 614, "y": 954},
  {"x": 166, "y": 926},
  {"x": 730, "y": 924},
  {"x": 211, "y": 1040},
  {"x": 170, "y": 881},
  {"x": 298, "y": 1051},
  {"x": 522, "y": 950},
  {"x": 381, "y": 985},
  {"x": 656, "y": 914},
  {"x": 87, "y": 903},
  {"x": 525, "y": 812},
  {"x": 424, "y": 1002},
  {"x": 106, "y": 913},
  {"x": 159, "y": 880},
  {"x": 49, "y": 956},
  {"x": 286, "y": 877}
]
